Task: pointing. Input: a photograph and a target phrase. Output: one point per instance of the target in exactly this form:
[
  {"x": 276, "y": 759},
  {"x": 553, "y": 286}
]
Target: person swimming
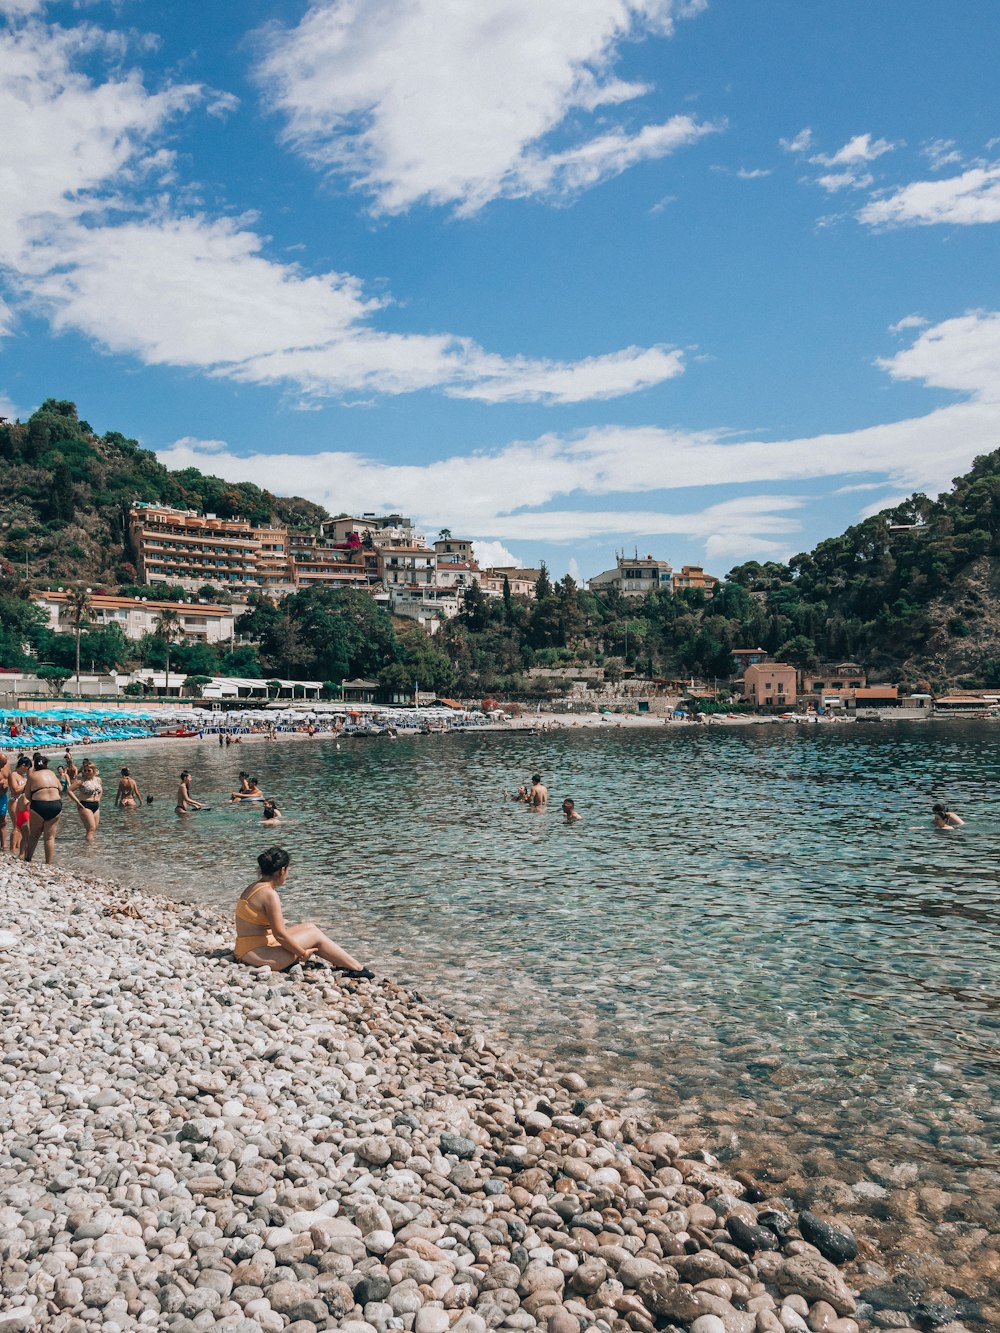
[
  {"x": 945, "y": 818},
  {"x": 263, "y": 939},
  {"x": 569, "y": 811},
  {"x": 272, "y": 815}
]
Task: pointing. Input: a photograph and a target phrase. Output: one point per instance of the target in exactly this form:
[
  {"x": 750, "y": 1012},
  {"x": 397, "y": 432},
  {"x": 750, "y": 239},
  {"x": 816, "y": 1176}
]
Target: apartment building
[
  {"x": 136, "y": 616},
  {"x": 409, "y": 566},
  {"x": 318, "y": 559},
  {"x": 190, "y": 549},
  {"x": 634, "y": 577},
  {"x": 371, "y": 530}
]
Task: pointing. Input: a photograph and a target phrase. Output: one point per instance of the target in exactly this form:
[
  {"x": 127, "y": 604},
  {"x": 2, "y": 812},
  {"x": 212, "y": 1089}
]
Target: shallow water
[{"x": 759, "y": 926}]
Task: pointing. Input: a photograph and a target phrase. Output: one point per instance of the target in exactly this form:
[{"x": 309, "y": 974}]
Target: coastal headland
[{"x": 187, "y": 1144}]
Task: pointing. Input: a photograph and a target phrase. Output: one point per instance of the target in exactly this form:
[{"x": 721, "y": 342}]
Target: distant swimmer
[
  {"x": 945, "y": 818},
  {"x": 127, "y": 796},
  {"x": 272, "y": 815},
  {"x": 539, "y": 794},
  {"x": 263, "y": 939},
  {"x": 185, "y": 801},
  {"x": 569, "y": 811}
]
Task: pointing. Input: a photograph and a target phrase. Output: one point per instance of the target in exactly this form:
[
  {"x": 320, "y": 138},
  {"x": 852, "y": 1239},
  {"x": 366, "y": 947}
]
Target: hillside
[
  {"x": 65, "y": 494},
  {"x": 913, "y": 592}
]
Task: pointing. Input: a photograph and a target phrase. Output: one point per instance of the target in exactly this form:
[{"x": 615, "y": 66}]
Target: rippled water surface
[{"x": 759, "y": 926}]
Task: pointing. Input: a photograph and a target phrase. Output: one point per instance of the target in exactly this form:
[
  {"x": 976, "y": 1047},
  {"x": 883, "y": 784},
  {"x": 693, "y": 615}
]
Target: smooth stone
[
  {"x": 836, "y": 1243},
  {"x": 455, "y": 1145},
  {"x": 430, "y": 1319},
  {"x": 816, "y": 1279}
]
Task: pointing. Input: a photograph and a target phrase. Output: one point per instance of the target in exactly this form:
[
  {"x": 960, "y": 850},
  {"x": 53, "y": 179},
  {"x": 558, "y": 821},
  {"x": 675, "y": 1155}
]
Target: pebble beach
[{"x": 188, "y": 1144}]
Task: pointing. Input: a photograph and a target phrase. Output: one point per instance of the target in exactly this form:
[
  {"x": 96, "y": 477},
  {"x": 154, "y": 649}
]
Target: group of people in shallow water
[
  {"x": 34, "y": 797},
  {"x": 537, "y": 796}
]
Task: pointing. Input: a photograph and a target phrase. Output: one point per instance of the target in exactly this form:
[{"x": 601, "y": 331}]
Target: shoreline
[
  {"x": 537, "y": 723},
  {"x": 189, "y": 1137}
]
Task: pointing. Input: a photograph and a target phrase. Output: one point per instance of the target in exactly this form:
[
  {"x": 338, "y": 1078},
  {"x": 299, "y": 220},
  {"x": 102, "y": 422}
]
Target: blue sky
[{"x": 707, "y": 278}]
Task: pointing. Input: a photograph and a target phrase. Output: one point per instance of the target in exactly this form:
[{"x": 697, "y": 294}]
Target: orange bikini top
[{"x": 253, "y": 916}]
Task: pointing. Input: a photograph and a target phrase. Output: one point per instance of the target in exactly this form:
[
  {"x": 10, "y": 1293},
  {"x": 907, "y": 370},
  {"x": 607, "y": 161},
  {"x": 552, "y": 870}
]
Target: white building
[
  {"x": 634, "y": 576},
  {"x": 429, "y": 607},
  {"x": 199, "y": 621}
]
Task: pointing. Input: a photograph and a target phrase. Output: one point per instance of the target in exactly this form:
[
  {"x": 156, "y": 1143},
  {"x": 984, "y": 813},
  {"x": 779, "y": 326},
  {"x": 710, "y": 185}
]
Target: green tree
[
  {"x": 81, "y": 609},
  {"x": 168, "y": 628},
  {"x": 54, "y": 677}
]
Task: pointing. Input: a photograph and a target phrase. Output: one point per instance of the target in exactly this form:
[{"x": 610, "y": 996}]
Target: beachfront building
[
  {"x": 833, "y": 685},
  {"x": 200, "y": 622},
  {"x": 634, "y": 577},
  {"x": 770, "y": 685},
  {"x": 522, "y": 581},
  {"x": 190, "y": 549},
  {"x": 693, "y": 576}
]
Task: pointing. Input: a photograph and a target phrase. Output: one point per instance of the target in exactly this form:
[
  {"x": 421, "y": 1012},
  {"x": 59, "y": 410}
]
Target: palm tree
[
  {"x": 168, "y": 627},
  {"x": 82, "y": 610}
]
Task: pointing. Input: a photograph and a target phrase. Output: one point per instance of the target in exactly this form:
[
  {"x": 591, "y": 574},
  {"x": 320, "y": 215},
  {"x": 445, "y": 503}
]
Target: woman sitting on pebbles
[{"x": 263, "y": 939}]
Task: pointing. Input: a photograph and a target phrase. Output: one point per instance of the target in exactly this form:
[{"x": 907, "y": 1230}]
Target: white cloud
[
  {"x": 427, "y": 100},
  {"x": 862, "y": 148},
  {"x": 964, "y": 200},
  {"x": 801, "y": 143},
  {"x": 141, "y": 278},
  {"x": 844, "y": 180},
  {"x": 756, "y": 174},
  {"x": 962, "y": 354},
  {"x": 66, "y": 139},
  {"x": 525, "y": 490},
  {"x": 941, "y": 153},
  {"x": 17, "y": 9},
  {"x": 909, "y": 322},
  {"x": 494, "y": 555}
]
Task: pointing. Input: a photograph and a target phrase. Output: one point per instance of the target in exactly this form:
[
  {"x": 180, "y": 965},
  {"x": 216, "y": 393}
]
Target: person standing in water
[
  {"x": 539, "y": 794},
  {"x": 263, "y": 939},
  {"x": 88, "y": 802},
  {"x": 569, "y": 811},
  {"x": 128, "y": 797},
  {"x": 45, "y": 805}
]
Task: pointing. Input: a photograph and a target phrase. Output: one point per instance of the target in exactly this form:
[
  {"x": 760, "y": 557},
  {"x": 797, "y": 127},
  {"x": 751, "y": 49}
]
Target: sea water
[{"x": 756, "y": 930}]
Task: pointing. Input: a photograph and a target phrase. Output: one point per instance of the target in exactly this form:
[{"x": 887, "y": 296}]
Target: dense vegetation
[
  {"x": 913, "y": 593},
  {"x": 65, "y": 495}
]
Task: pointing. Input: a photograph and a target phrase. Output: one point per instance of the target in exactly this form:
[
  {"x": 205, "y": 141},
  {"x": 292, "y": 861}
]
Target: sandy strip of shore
[{"x": 189, "y": 1144}]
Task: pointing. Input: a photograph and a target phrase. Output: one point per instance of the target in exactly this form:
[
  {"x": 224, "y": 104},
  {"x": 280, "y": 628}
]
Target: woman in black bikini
[
  {"x": 45, "y": 805},
  {"x": 88, "y": 802}
]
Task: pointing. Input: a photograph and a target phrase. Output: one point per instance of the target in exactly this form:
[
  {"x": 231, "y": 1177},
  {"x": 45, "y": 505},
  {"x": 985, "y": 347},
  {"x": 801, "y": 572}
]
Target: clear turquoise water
[{"x": 757, "y": 918}]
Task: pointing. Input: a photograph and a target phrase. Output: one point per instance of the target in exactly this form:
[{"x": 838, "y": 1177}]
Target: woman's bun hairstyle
[{"x": 272, "y": 860}]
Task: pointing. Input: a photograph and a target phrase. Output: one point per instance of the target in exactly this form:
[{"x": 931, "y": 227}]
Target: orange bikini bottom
[{"x": 247, "y": 943}]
